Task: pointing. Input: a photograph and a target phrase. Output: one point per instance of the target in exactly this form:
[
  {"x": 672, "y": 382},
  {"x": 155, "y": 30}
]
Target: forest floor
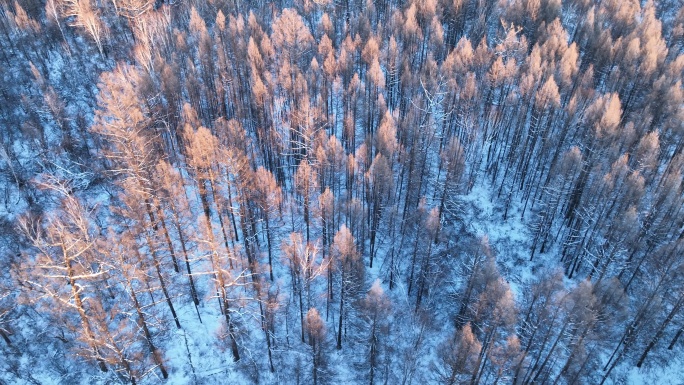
[{"x": 195, "y": 357}]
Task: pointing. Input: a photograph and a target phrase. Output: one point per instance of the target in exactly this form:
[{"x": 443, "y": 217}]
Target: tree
[
  {"x": 203, "y": 157},
  {"x": 316, "y": 331},
  {"x": 5, "y": 330},
  {"x": 268, "y": 196},
  {"x": 174, "y": 199},
  {"x": 480, "y": 268},
  {"x": 131, "y": 148},
  {"x": 53, "y": 13},
  {"x": 136, "y": 224},
  {"x": 453, "y": 159},
  {"x": 302, "y": 259},
  {"x": 459, "y": 357},
  {"x": 376, "y": 308},
  {"x": 65, "y": 248},
  {"x": 291, "y": 41},
  {"x": 86, "y": 16},
  {"x": 129, "y": 273},
  {"x": 306, "y": 185},
  {"x": 540, "y": 310},
  {"x": 223, "y": 280},
  {"x": 555, "y": 193},
  {"x": 397, "y": 131},
  {"x": 495, "y": 316},
  {"x": 378, "y": 193},
  {"x": 425, "y": 277},
  {"x": 350, "y": 270}
]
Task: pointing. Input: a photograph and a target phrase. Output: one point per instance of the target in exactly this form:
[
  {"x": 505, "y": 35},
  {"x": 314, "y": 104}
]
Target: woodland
[{"x": 341, "y": 192}]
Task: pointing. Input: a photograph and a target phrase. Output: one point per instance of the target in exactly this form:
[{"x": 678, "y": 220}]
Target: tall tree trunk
[
  {"x": 168, "y": 239},
  {"x": 339, "y": 329},
  {"x": 156, "y": 355},
  {"x": 75, "y": 292},
  {"x": 661, "y": 331}
]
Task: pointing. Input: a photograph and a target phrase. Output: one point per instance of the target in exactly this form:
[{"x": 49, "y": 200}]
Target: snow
[
  {"x": 510, "y": 239},
  {"x": 199, "y": 351},
  {"x": 669, "y": 373}
]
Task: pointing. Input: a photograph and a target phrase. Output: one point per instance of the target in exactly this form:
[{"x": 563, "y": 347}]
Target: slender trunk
[
  {"x": 193, "y": 289},
  {"x": 167, "y": 238},
  {"x": 5, "y": 337},
  {"x": 156, "y": 355},
  {"x": 306, "y": 213},
  {"x": 339, "y": 330},
  {"x": 229, "y": 322},
  {"x": 676, "y": 338},
  {"x": 315, "y": 349},
  {"x": 413, "y": 262},
  {"x": 220, "y": 218},
  {"x": 632, "y": 329},
  {"x": 373, "y": 352},
  {"x": 157, "y": 268},
  {"x": 423, "y": 278},
  {"x": 232, "y": 216},
  {"x": 661, "y": 331},
  {"x": 268, "y": 244},
  {"x": 550, "y": 353},
  {"x": 329, "y": 298},
  {"x": 301, "y": 310},
  {"x": 162, "y": 283},
  {"x": 475, "y": 378},
  {"x": 75, "y": 292}
]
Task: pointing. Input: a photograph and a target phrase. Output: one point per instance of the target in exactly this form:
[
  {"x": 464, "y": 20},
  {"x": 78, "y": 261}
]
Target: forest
[{"x": 341, "y": 192}]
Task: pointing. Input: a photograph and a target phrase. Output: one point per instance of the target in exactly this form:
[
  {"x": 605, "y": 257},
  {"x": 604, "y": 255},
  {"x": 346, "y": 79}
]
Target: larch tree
[
  {"x": 326, "y": 211},
  {"x": 86, "y": 15},
  {"x": 203, "y": 155},
  {"x": 174, "y": 199},
  {"x": 61, "y": 273},
  {"x": 380, "y": 183},
  {"x": 495, "y": 317},
  {"x": 306, "y": 186},
  {"x": 131, "y": 145},
  {"x": 480, "y": 268},
  {"x": 224, "y": 280},
  {"x": 316, "y": 336},
  {"x": 136, "y": 223},
  {"x": 5, "y": 319},
  {"x": 204, "y": 134},
  {"x": 453, "y": 161},
  {"x": 426, "y": 279},
  {"x": 268, "y": 196},
  {"x": 542, "y": 315},
  {"x": 132, "y": 279},
  {"x": 291, "y": 39},
  {"x": 302, "y": 258},
  {"x": 459, "y": 357},
  {"x": 351, "y": 273},
  {"x": 376, "y": 309}
]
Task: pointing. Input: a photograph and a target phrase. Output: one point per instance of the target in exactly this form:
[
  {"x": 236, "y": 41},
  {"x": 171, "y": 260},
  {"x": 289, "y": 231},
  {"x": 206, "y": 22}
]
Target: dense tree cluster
[{"x": 300, "y": 178}]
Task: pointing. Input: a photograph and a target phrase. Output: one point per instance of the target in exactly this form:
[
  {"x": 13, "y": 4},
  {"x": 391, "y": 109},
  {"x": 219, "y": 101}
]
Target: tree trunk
[
  {"x": 168, "y": 239},
  {"x": 81, "y": 311},
  {"x": 5, "y": 337},
  {"x": 156, "y": 355},
  {"x": 661, "y": 331},
  {"x": 339, "y": 330},
  {"x": 162, "y": 282},
  {"x": 229, "y": 322}
]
